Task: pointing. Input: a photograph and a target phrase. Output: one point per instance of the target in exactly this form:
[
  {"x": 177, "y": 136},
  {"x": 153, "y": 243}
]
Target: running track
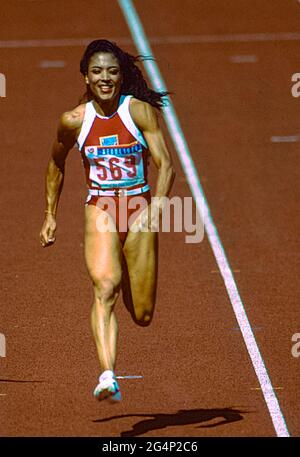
[{"x": 230, "y": 71}]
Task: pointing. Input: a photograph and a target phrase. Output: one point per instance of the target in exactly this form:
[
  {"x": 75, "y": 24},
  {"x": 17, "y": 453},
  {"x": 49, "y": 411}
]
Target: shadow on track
[
  {"x": 18, "y": 380},
  {"x": 182, "y": 417}
]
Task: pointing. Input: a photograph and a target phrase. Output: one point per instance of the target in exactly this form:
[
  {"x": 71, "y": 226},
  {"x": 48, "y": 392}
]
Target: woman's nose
[{"x": 104, "y": 75}]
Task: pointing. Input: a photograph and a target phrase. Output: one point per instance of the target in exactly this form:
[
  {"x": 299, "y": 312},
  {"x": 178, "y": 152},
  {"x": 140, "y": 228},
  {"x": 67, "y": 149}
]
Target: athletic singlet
[{"x": 113, "y": 150}]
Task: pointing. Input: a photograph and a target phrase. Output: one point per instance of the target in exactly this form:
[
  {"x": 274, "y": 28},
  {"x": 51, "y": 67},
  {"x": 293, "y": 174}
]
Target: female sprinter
[{"x": 115, "y": 130}]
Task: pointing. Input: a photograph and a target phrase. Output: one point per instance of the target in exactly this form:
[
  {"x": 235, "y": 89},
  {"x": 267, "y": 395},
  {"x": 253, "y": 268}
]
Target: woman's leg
[
  {"x": 103, "y": 260},
  {"x": 141, "y": 253}
]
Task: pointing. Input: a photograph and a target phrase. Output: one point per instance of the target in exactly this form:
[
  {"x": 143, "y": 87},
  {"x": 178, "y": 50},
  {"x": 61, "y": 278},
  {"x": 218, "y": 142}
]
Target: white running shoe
[{"x": 108, "y": 387}]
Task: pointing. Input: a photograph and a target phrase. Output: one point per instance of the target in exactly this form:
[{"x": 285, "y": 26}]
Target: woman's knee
[
  {"x": 143, "y": 315},
  {"x": 106, "y": 290}
]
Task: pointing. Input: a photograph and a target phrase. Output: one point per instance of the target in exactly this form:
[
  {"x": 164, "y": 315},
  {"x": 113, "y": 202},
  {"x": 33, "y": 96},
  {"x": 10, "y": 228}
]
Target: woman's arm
[
  {"x": 145, "y": 117},
  {"x": 67, "y": 132}
]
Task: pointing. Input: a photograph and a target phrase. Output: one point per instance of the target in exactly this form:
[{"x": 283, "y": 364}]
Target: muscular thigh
[
  {"x": 102, "y": 249},
  {"x": 141, "y": 252}
]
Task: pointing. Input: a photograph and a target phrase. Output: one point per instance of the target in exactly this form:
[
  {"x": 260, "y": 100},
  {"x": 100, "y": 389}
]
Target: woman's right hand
[{"x": 47, "y": 234}]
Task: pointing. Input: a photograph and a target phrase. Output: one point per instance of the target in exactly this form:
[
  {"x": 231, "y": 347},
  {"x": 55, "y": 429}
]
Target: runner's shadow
[
  {"x": 18, "y": 380},
  {"x": 182, "y": 417}
]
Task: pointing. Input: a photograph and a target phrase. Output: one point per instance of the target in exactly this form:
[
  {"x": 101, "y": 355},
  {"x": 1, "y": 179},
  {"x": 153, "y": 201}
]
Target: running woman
[{"x": 116, "y": 130}]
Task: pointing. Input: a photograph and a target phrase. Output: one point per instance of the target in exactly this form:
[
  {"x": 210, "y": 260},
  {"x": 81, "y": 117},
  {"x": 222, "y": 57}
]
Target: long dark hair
[{"x": 133, "y": 80}]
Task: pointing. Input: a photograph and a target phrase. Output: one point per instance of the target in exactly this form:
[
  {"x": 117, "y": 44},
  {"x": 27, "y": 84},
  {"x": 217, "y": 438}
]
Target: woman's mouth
[{"x": 106, "y": 89}]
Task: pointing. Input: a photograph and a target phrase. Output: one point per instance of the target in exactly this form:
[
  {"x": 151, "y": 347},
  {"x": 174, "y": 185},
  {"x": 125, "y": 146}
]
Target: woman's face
[{"x": 104, "y": 76}]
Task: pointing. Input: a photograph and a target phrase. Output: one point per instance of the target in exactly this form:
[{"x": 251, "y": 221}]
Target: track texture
[{"x": 198, "y": 379}]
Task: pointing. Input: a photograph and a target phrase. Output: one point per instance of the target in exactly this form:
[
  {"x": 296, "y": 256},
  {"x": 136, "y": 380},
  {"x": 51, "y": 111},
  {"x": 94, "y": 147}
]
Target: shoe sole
[{"x": 106, "y": 394}]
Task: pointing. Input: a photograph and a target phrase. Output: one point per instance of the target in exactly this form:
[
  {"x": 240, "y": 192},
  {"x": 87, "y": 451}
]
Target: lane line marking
[
  {"x": 254, "y": 328},
  {"x": 156, "y": 40},
  {"x": 227, "y": 38},
  {"x": 243, "y": 58},
  {"x": 285, "y": 139},
  {"x": 218, "y": 271},
  {"x": 129, "y": 377},
  {"x": 190, "y": 171},
  {"x": 259, "y": 388},
  {"x": 50, "y": 43},
  {"x": 52, "y": 64}
]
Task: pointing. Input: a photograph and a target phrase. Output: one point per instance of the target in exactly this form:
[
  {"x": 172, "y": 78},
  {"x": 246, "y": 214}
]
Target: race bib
[{"x": 115, "y": 166}]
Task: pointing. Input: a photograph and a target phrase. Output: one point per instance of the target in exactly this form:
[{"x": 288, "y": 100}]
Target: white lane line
[
  {"x": 258, "y": 388},
  {"x": 51, "y": 43},
  {"x": 52, "y": 64},
  {"x": 156, "y": 40},
  {"x": 285, "y": 139},
  {"x": 189, "y": 169},
  {"x": 237, "y": 329},
  {"x": 226, "y": 38},
  {"x": 243, "y": 59},
  {"x": 218, "y": 271},
  {"x": 130, "y": 377}
]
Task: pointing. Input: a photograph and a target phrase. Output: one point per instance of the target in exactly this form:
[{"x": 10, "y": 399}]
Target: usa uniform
[{"x": 115, "y": 157}]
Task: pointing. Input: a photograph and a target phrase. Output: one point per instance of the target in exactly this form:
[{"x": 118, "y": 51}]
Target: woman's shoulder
[
  {"x": 141, "y": 111},
  {"x": 140, "y": 107},
  {"x": 136, "y": 102},
  {"x": 73, "y": 119}
]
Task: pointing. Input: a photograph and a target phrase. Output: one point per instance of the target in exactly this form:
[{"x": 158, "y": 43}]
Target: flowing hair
[{"x": 133, "y": 81}]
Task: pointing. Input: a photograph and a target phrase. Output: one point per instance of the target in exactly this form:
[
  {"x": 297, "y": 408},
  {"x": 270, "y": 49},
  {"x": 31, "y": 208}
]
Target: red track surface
[{"x": 198, "y": 379}]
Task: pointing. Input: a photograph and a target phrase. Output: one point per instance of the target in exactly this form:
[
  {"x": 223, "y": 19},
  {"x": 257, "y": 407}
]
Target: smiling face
[{"x": 104, "y": 77}]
